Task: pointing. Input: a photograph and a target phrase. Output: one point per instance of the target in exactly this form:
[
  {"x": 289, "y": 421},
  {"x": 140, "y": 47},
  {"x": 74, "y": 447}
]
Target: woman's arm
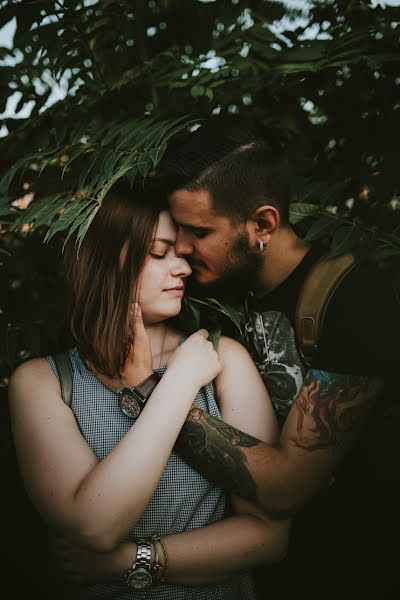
[
  {"x": 243, "y": 399},
  {"x": 203, "y": 556},
  {"x": 93, "y": 503},
  {"x": 220, "y": 550}
]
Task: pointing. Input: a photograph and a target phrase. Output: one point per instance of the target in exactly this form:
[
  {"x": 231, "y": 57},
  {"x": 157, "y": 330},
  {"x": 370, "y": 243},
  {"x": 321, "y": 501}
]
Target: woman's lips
[{"x": 178, "y": 291}]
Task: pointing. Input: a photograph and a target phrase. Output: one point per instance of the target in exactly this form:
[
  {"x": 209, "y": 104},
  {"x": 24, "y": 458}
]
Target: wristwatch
[
  {"x": 139, "y": 577},
  {"x": 132, "y": 400}
]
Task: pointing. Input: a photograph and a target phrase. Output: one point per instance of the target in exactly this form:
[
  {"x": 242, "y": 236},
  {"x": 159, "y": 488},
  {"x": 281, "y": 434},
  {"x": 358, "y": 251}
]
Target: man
[{"x": 229, "y": 194}]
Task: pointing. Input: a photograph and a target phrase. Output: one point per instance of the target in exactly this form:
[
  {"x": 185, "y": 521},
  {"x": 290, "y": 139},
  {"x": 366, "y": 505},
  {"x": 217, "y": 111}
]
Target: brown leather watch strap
[{"x": 145, "y": 388}]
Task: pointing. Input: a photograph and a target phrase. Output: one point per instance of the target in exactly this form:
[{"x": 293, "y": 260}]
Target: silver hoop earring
[{"x": 261, "y": 245}]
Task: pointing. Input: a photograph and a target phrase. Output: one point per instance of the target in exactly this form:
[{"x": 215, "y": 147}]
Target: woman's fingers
[
  {"x": 203, "y": 332},
  {"x": 139, "y": 363},
  {"x": 196, "y": 358}
]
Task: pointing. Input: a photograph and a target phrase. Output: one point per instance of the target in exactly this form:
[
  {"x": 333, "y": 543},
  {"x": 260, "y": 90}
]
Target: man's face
[{"x": 217, "y": 250}]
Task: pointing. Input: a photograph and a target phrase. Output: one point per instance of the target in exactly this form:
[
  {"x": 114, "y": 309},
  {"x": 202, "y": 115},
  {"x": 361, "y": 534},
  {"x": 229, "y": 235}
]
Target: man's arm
[{"x": 324, "y": 421}]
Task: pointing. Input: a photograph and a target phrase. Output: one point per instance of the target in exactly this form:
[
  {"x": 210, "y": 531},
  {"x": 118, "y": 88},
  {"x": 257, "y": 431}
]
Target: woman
[{"x": 108, "y": 482}]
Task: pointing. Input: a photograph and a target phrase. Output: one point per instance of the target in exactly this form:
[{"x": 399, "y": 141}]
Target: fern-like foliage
[{"x": 104, "y": 155}]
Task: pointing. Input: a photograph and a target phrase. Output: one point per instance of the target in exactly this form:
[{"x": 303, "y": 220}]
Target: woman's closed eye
[{"x": 160, "y": 249}]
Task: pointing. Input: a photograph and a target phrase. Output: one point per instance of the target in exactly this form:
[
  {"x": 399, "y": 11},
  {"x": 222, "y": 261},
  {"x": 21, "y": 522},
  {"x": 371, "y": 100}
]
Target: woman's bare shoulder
[
  {"x": 230, "y": 345},
  {"x": 233, "y": 354},
  {"x": 31, "y": 369}
]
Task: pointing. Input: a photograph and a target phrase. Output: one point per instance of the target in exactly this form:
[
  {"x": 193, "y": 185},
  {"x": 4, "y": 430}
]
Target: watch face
[
  {"x": 129, "y": 404},
  {"x": 139, "y": 579}
]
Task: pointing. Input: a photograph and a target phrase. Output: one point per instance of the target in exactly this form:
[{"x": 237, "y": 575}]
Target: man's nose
[{"x": 183, "y": 246}]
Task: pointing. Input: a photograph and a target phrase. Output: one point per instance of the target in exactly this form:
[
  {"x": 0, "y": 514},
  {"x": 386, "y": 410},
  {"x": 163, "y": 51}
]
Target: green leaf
[
  {"x": 312, "y": 191},
  {"x": 236, "y": 316},
  {"x": 323, "y": 226},
  {"x": 197, "y": 90},
  {"x": 5, "y": 200},
  {"x": 127, "y": 77},
  {"x": 214, "y": 336},
  {"x": 300, "y": 210},
  {"x": 156, "y": 154},
  {"x": 7, "y": 212},
  {"x": 109, "y": 164},
  {"x": 42, "y": 211},
  {"x": 131, "y": 174},
  {"x": 86, "y": 224},
  {"x": 344, "y": 240},
  {"x": 144, "y": 163},
  {"x": 313, "y": 51},
  {"x": 82, "y": 222},
  {"x": 9, "y": 175},
  {"x": 67, "y": 218}
]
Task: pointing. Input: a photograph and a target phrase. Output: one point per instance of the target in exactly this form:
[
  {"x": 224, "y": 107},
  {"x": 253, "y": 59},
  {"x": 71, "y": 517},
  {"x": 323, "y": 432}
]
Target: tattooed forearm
[
  {"x": 328, "y": 414},
  {"x": 331, "y": 407},
  {"x": 216, "y": 450}
]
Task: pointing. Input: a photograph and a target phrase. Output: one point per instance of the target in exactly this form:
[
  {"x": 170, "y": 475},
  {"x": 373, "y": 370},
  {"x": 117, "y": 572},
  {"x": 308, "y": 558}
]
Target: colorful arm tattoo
[
  {"x": 215, "y": 450},
  {"x": 331, "y": 408}
]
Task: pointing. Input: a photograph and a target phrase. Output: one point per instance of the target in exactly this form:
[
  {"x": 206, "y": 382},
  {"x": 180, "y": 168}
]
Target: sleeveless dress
[{"x": 183, "y": 499}]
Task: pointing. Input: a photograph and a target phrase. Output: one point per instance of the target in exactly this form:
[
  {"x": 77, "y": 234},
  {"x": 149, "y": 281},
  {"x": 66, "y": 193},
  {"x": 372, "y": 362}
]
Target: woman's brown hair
[{"x": 103, "y": 276}]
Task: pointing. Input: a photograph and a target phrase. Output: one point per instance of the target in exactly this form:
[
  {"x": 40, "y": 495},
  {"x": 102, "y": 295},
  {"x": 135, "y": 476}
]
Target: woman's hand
[
  {"x": 139, "y": 363},
  {"x": 196, "y": 359},
  {"x": 81, "y": 566}
]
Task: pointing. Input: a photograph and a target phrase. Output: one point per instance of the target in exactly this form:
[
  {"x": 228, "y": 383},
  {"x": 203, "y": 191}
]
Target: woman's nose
[{"x": 182, "y": 269}]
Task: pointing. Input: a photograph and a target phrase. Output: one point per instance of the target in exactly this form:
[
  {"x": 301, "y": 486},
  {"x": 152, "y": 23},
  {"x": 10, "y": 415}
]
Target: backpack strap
[
  {"x": 64, "y": 368},
  {"x": 317, "y": 290}
]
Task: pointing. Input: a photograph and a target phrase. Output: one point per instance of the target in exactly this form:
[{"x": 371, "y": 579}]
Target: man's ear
[{"x": 263, "y": 223}]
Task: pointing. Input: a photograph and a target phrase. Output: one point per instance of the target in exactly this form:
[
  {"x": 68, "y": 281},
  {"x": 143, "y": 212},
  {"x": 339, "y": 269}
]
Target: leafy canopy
[{"x": 130, "y": 76}]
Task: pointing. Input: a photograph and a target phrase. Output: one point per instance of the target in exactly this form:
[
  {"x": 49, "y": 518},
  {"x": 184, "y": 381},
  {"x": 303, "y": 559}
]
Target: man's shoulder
[{"x": 270, "y": 339}]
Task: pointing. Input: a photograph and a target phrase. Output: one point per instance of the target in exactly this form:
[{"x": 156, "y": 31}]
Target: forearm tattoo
[
  {"x": 215, "y": 450},
  {"x": 331, "y": 407}
]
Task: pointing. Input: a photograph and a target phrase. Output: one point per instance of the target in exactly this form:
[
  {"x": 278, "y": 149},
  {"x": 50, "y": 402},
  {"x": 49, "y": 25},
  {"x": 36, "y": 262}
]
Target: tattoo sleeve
[
  {"x": 331, "y": 408},
  {"x": 216, "y": 450},
  {"x": 327, "y": 414}
]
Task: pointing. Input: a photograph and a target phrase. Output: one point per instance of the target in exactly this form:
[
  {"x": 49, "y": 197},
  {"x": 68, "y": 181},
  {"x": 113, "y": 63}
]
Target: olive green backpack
[{"x": 317, "y": 290}]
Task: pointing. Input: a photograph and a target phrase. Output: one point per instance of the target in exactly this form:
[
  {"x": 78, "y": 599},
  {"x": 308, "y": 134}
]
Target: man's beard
[{"x": 240, "y": 274}]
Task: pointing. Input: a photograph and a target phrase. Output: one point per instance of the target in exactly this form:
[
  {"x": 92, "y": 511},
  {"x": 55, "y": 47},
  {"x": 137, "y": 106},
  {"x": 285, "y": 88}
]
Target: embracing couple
[{"x": 177, "y": 469}]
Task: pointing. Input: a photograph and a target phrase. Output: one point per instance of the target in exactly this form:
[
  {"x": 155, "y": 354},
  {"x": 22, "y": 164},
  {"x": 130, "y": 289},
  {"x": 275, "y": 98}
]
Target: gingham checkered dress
[{"x": 183, "y": 499}]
